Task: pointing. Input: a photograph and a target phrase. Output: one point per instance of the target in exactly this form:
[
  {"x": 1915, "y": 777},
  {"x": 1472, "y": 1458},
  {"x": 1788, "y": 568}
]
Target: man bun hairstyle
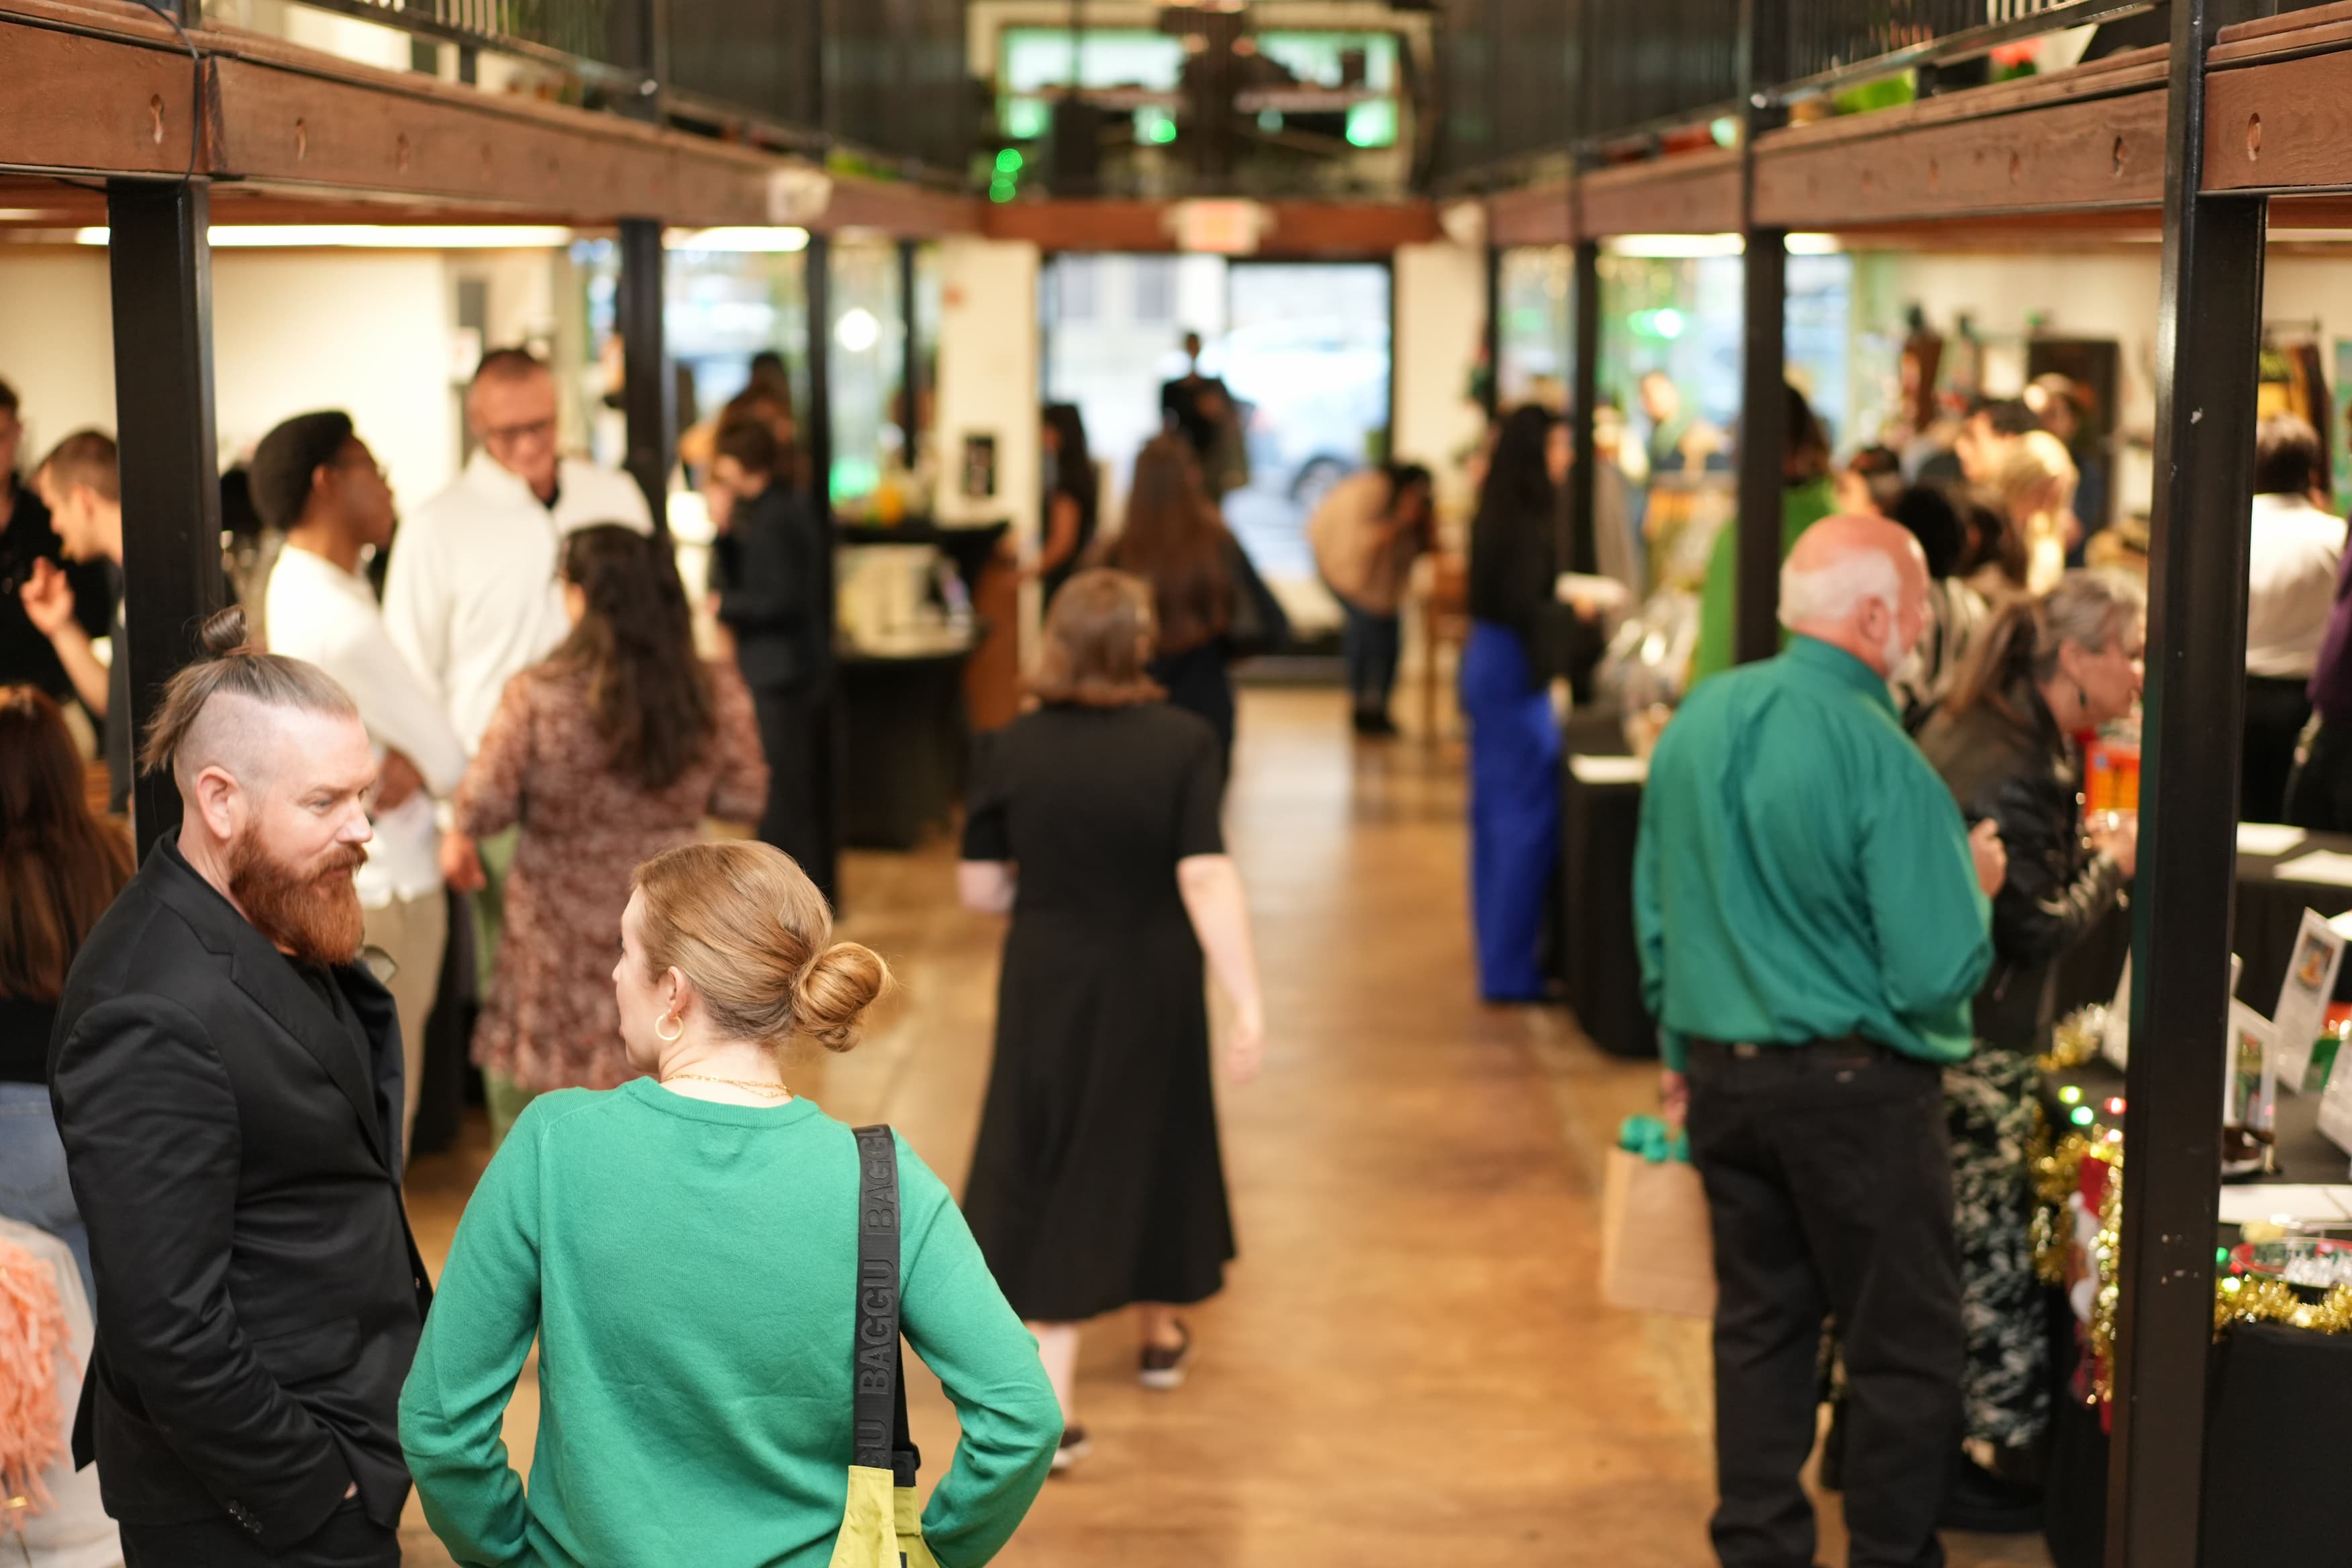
[
  {"x": 229, "y": 664},
  {"x": 742, "y": 923}
]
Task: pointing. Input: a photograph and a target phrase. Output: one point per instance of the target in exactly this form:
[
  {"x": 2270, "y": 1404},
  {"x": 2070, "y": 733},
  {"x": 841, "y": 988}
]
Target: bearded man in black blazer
[{"x": 227, "y": 1083}]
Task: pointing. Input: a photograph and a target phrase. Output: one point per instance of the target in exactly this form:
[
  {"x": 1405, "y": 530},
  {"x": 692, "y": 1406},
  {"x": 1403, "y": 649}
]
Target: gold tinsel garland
[
  {"x": 2237, "y": 1299},
  {"x": 2075, "y": 1040}
]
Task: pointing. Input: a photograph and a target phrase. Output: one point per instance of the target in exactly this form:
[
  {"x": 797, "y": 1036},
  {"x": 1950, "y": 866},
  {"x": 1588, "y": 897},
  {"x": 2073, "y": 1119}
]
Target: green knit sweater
[{"x": 688, "y": 1269}]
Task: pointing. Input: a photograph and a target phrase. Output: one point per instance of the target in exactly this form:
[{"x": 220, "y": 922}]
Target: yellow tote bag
[{"x": 882, "y": 1525}]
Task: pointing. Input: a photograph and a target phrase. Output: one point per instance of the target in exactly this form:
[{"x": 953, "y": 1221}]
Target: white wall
[
  {"x": 56, "y": 348},
  {"x": 1441, "y": 314},
  {"x": 987, "y": 383},
  {"x": 367, "y": 332}
]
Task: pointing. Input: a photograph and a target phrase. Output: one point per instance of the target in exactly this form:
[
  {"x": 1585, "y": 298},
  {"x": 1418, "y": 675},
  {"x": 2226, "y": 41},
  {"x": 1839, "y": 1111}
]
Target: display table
[
  {"x": 904, "y": 736},
  {"x": 1600, "y": 811},
  {"x": 2276, "y": 1446}
]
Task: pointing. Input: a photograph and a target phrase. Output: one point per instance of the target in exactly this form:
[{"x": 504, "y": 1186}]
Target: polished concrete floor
[{"x": 1409, "y": 1364}]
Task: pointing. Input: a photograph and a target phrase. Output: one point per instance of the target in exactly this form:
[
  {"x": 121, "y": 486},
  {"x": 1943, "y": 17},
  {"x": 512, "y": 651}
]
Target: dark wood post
[
  {"x": 161, "y": 262},
  {"x": 1763, "y": 353},
  {"x": 648, "y": 395},
  {"x": 2208, "y": 332}
]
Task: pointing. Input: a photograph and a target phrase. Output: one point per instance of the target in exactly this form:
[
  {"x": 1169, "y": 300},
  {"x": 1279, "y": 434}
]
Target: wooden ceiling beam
[
  {"x": 1693, "y": 193},
  {"x": 1533, "y": 214},
  {"x": 2280, "y": 124},
  {"x": 2104, "y": 153},
  {"x": 1299, "y": 230},
  {"x": 100, "y": 88}
]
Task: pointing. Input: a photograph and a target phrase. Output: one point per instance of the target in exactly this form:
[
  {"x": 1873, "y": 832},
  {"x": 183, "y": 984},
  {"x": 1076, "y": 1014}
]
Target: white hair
[{"x": 1835, "y": 592}]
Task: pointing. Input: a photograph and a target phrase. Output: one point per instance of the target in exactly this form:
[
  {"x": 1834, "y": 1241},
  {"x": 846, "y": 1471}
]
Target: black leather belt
[{"x": 1846, "y": 1048}]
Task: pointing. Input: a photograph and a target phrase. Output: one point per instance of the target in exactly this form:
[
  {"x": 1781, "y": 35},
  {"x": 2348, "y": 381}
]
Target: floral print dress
[{"x": 588, "y": 823}]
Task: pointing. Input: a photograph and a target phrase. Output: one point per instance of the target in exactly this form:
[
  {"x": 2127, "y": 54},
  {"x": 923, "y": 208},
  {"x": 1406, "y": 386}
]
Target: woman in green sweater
[{"x": 684, "y": 1248}]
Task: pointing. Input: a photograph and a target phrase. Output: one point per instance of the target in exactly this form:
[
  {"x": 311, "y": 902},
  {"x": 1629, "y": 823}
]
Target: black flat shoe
[{"x": 1980, "y": 1503}]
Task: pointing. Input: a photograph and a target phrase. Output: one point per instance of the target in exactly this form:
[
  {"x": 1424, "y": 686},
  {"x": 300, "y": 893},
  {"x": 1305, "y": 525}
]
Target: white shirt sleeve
[{"x": 416, "y": 605}]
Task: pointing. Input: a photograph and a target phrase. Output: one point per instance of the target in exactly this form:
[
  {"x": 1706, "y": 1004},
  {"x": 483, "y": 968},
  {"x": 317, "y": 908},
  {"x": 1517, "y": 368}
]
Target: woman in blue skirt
[{"x": 1520, "y": 639}]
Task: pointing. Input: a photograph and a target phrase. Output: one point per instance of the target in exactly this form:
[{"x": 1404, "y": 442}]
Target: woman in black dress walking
[{"x": 1096, "y": 1184}]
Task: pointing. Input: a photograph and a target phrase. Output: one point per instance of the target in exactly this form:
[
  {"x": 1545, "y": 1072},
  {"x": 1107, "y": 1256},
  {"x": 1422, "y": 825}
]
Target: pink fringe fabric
[{"x": 31, "y": 1338}]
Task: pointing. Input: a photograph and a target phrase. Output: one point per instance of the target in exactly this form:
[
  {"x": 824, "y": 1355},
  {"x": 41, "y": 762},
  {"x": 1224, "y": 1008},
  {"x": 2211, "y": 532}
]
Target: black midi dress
[{"x": 1097, "y": 1181}]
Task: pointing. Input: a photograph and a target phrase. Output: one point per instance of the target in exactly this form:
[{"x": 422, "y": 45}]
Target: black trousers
[
  {"x": 348, "y": 1539},
  {"x": 2319, "y": 794},
  {"x": 788, "y": 717},
  {"x": 1829, "y": 1186},
  {"x": 2276, "y": 711}
]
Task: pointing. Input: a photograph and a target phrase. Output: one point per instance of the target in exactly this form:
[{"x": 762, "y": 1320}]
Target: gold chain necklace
[{"x": 773, "y": 1090}]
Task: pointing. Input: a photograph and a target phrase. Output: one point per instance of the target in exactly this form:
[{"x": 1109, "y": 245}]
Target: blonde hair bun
[
  {"x": 843, "y": 982},
  {"x": 745, "y": 924}
]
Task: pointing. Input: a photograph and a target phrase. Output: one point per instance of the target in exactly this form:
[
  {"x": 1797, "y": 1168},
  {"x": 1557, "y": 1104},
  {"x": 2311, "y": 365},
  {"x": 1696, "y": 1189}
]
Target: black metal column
[
  {"x": 1584, "y": 402},
  {"x": 910, "y": 356},
  {"x": 825, "y": 741},
  {"x": 648, "y": 395},
  {"x": 1763, "y": 353},
  {"x": 2208, "y": 332},
  {"x": 1492, "y": 395},
  {"x": 161, "y": 262}
]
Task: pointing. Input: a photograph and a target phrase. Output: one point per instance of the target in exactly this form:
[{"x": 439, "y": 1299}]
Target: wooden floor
[{"x": 1409, "y": 1365}]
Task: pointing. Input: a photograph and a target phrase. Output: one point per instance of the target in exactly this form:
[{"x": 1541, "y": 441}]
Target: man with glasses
[
  {"x": 471, "y": 599},
  {"x": 314, "y": 477}
]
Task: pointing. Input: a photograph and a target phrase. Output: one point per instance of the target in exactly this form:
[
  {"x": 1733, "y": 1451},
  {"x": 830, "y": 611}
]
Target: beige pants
[{"x": 413, "y": 933}]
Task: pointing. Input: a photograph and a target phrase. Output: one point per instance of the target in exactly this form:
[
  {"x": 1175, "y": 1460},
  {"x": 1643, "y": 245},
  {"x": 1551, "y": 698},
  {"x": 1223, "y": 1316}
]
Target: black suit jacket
[
  {"x": 237, "y": 1165},
  {"x": 771, "y": 580}
]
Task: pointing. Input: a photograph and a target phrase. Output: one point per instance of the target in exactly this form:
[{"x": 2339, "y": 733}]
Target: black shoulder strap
[{"x": 882, "y": 1441}]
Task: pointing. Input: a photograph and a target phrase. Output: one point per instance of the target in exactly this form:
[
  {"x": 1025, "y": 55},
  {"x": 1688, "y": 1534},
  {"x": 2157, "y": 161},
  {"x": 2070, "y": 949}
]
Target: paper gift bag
[{"x": 1657, "y": 1254}]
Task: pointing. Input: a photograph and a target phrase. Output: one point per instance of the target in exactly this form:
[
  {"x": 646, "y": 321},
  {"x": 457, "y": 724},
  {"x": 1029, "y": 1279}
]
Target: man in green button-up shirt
[{"x": 1813, "y": 917}]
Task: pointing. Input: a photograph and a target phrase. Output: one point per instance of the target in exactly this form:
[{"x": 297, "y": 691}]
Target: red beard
[{"x": 313, "y": 912}]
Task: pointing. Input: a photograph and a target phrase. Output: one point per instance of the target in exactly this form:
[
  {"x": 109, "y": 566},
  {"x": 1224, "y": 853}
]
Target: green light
[
  {"x": 1009, "y": 161},
  {"x": 1163, "y": 130},
  {"x": 1725, "y": 131},
  {"x": 1372, "y": 123},
  {"x": 2070, "y": 1095},
  {"x": 1669, "y": 323},
  {"x": 1000, "y": 192},
  {"x": 2081, "y": 1116},
  {"x": 2220, "y": 1254},
  {"x": 1025, "y": 119}
]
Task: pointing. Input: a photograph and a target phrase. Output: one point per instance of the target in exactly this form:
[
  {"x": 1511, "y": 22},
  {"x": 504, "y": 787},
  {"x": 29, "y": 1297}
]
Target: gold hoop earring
[{"x": 669, "y": 1018}]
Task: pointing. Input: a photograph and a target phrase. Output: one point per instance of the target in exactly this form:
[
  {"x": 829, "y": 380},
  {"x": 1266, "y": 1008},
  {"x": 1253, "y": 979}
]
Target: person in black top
[
  {"x": 1096, "y": 1181},
  {"x": 1210, "y": 606},
  {"x": 767, "y": 575},
  {"x": 1194, "y": 406},
  {"x": 1070, "y": 496},
  {"x": 1521, "y": 638},
  {"x": 227, "y": 1074},
  {"x": 26, "y": 537},
  {"x": 79, "y": 484},
  {"x": 61, "y": 866}
]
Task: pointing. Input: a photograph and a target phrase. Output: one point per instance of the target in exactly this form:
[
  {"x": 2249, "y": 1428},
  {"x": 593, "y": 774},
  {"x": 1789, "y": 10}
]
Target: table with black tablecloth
[
  {"x": 2277, "y": 1448},
  {"x": 1600, "y": 809},
  {"x": 905, "y": 738}
]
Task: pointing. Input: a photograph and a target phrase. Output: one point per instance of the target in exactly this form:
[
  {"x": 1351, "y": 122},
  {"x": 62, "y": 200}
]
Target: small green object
[
  {"x": 2222, "y": 1254},
  {"x": 1009, "y": 161},
  {"x": 1647, "y": 1136},
  {"x": 2083, "y": 1116},
  {"x": 2070, "y": 1095}
]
